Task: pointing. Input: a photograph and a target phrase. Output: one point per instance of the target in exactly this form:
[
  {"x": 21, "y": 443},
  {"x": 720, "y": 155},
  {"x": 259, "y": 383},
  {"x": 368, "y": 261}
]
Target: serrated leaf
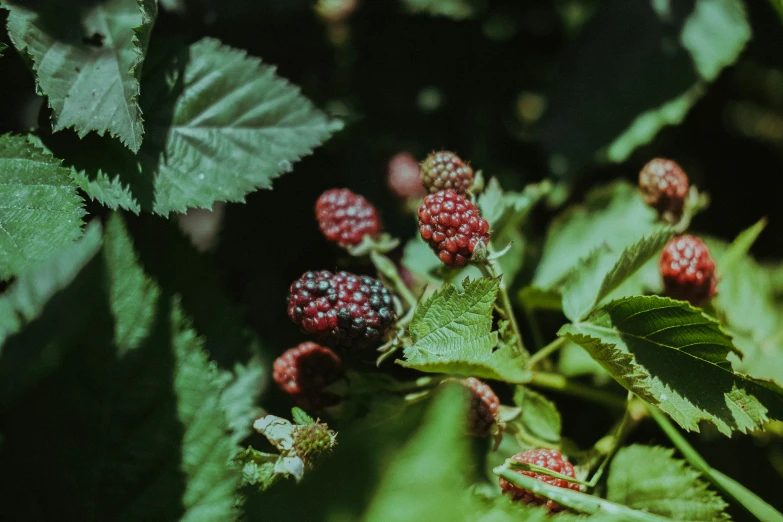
[
  {"x": 740, "y": 247},
  {"x": 87, "y": 60},
  {"x": 141, "y": 431},
  {"x": 674, "y": 356},
  {"x": 452, "y": 333},
  {"x": 43, "y": 211},
  {"x": 539, "y": 415},
  {"x": 108, "y": 192},
  {"x": 612, "y": 216},
  {"x": 603, "y": 272},
  {"x": 663, "y": 485},
  {"x": 300, "y": 417},
  {"x": 263, "y": 470}
]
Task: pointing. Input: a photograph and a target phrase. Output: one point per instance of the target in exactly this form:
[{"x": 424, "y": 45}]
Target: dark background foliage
[{"x": 383, "y": 80}]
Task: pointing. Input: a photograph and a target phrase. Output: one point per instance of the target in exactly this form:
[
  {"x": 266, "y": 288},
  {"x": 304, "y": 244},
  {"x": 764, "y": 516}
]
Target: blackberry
[
  {"x": 404, "y": 178},
  {"x": 688, "y": 270},
  {"x": 664, "y": 187},
  {"x": 445, "y": 170},
  {"x": 342, "y": 309},
  {"x": 550, "y": 459},
  {"x": 452, "y": 226},
  {"x": 304, "y": 372},
  {"x": 345, "y": 218},
  {"x": 484, "y": 406}
]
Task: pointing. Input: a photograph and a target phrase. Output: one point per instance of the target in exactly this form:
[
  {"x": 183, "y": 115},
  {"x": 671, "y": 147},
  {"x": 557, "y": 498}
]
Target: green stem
[
  {"x": 491, "y": 270},
  {"x": 730, "y": 487},
  {"x": 535, "y": 330},
  {"x": 556, "y": 382},
  {"x": 545, "y": 352},
  {"x": 618, "y": 435},
  {"x": 385, "y": 266}
]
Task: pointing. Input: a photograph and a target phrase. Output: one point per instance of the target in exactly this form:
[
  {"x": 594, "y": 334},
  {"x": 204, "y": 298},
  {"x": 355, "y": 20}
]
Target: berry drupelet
[
  {"x": 484, "y": 406},
  {"x": 452, "y": 226},
  {"x": 550, "y": 459},
  {"x": 664, "y": 187},
  {"x": 342, "y": 309},
  {"x": 304, "y": 372},
  {"x": 445, "y": 170},
  {"x": 345, "y": 218},
  {"x": 688, "y": 270}
]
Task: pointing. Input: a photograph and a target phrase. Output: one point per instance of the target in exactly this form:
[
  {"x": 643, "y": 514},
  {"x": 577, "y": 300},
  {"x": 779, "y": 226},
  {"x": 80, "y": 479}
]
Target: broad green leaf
[
  {"x": 25, "y": 299},
  {"x": 456, "y": 9},
  {"x": 539, "y": 415},
  {"x": 435, "y": 460},
  {"x": 43, "y": 211},
  {"x": 746, "y": 301},
  {"x": 574, "y": 361},
  {"x": 604, "y": 109},
  {"x": 534, "y": 298},
  {"x": 675, "y": 357},
  {"x": 87, "y": 60},
  {"x": 452, "y": 333},
  {"x": 108, "y": 192},
  {"x": 142, "y": 431},
  {"x": 663, "y": 485},
  {"x": 603, "y": 272},
  {"x": 740, "y": 247}
]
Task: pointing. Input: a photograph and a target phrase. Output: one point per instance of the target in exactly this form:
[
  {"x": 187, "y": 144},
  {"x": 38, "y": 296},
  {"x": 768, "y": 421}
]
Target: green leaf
[
  {"x": 675, "y": 357},
  {"x": 26, "y": 298},
  {"x": 300, "y": 417},
  {"x": 606, "y": 108},
  {"x": 108, "y": 192},
  {"x": 663, "y": 485},
  {"x": 740, "y": 247},
  {"x": 261, "y": 469},
  {"x": 142, "y": 432},
  {"x": 603, "y": 272},
  {"x": 452, "y": 333},
  {"x": 87, "y": 60},
  {"x": 574, "y": 361},
  {"x": 456, "y": 9},
  {"x": 539, "y": 415},
  {"x": 612, "y": 217},
  {"x": 43, "y": 212},
  {"x": 435, "y": 460},
  {"x": 3, "y": 47}
]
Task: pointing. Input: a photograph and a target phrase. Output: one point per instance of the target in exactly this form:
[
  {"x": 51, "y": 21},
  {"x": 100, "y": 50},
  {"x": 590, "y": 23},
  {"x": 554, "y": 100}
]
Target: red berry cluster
[
  {"x": 484, "y": 406},
  {"x": 688, "y": 270},
  {"x": 304, "y": 372},
  {"x": 445, "y": 170},
  {"x": 664, "y": 187},
  {"x": 341, "y": 309},
  {"x": 452, "y": 226},
  {"x": 550, "y": 459},
  {"x": 345, "y": 218}
]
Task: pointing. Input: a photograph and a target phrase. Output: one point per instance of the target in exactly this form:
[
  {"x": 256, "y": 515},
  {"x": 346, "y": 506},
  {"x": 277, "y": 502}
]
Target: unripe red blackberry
[
  {"x": 304, "y": 372},
  {"x": 484, "y": 406},
  {"x": 404, "y": 178},
  {"x": 452, "y": 226},
  {"x": 550, "y": 459},
  {"x": 345, "y": 218},
  {"x": 664, "y": 187},
  {"x": 688, "y": 270},
  {"x": 445, "y": 170},
  {"x": 342, "y": 309}
]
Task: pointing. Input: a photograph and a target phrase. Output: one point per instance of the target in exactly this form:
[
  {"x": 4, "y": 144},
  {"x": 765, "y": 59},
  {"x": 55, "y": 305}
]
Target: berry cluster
[
  {"x": 688, "y": 270},
  {"x": 345, "y": 218},
  {"x": 484, "y": 406},
  {"x": 341, "y": 309},
  {"x": 549, "y": 459},
  {"x": 452, "y": 226},
  {"x": 446, "y": 171},
  {"x": 664, "y": 187},
  {"x": 304, "y": 372}
]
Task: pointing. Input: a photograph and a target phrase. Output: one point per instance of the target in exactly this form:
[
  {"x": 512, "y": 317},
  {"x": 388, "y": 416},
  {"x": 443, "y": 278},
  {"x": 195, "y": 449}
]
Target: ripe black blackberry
[
  {"x": 484, "y": 406},
  {"x": 445, "y": 170},
  {"x": 550, "y": 459},
  {"x": 664, "y": 187},
  {"x": 304, "y": 372},
  {"x": 345, "y": 218},
  {"x": 342, "y": 309},
  {"x": 688, "y": 270},
  {"x": 452, "y": 226}
]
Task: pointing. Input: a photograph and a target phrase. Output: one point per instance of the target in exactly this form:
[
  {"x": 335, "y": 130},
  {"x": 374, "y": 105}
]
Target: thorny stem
[
  {"x": 491, "y": 270},
  {"x": 385, "y": 266},
  {"x": 556, "y": 382},
  {"x": 545, "y": 352}
]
